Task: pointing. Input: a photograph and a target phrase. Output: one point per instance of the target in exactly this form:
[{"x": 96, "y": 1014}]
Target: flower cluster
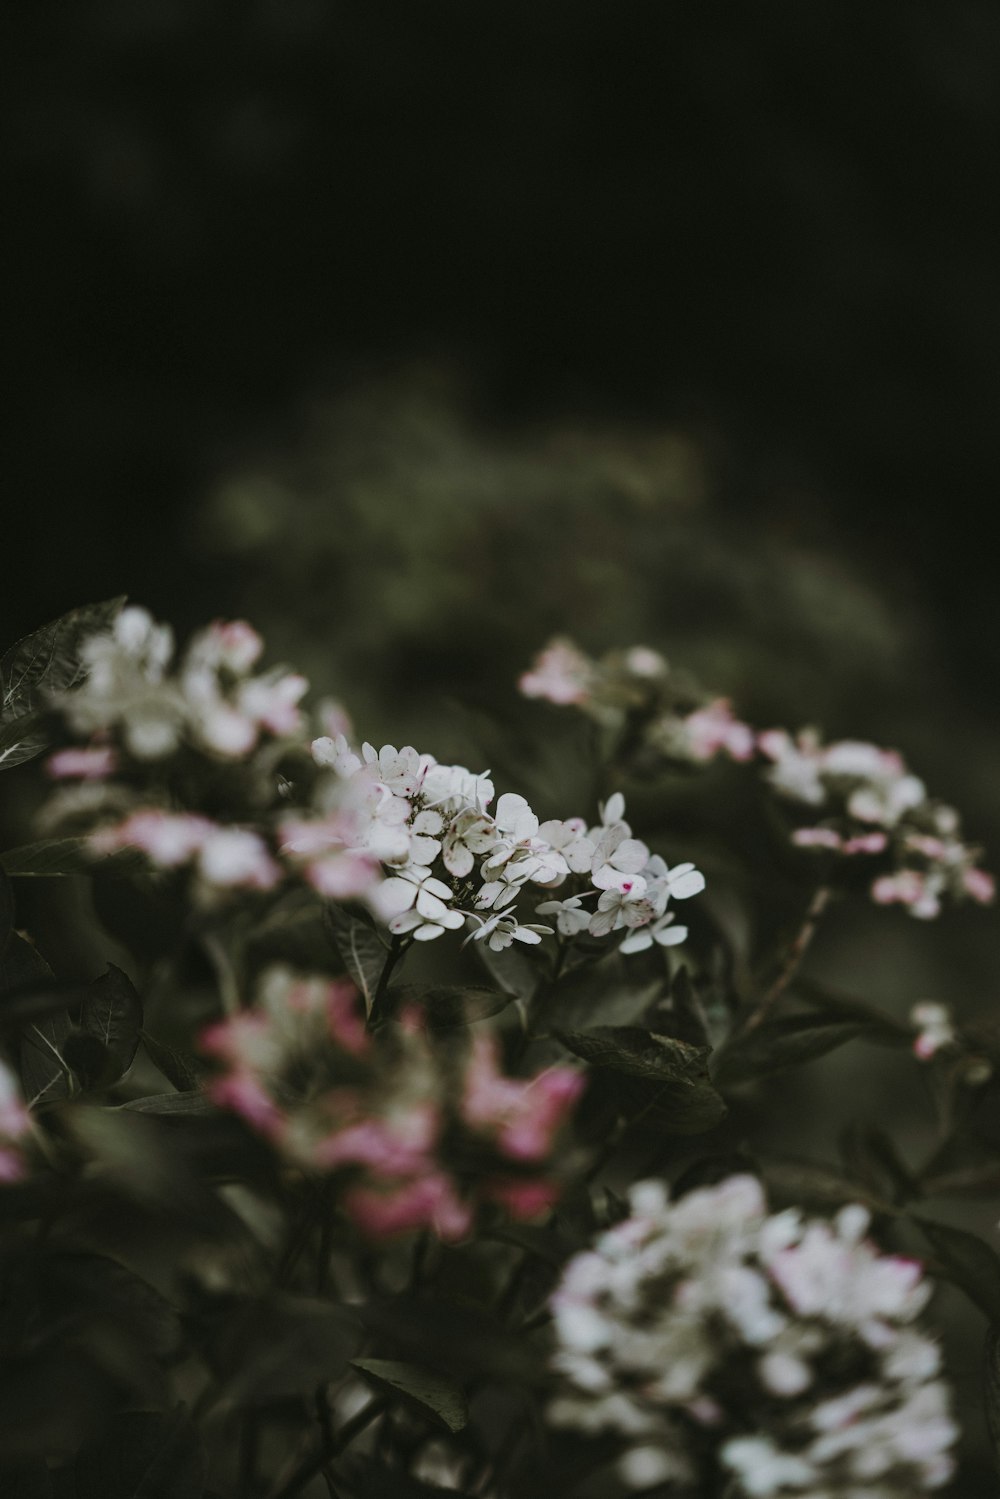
[
  {"x": 778, "y": 1350},
  {"x": 676, "y": 718},
  {"x": 15, "y": 1125},
  {"x": 870, "y": 803},
  {"x": 212, "y": 700},
  {"x": 414, "y": 1142},
  {"x": 420, "y": 843},
  {"x": 864, "y": 800}
]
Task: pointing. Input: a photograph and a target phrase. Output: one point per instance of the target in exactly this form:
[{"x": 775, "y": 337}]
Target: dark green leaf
[
  {"x": 511, "y": 968},
  {"x": 143, "y": 1455},
  {"x": 74, "y": 1282},
  {"x": 813, "y": 1183},
  {"x": 112, "y": 1013},
  {"x": 967, "y": 1261},
  {"x": 38, "y": 667},
  {"x": 361, "y": 949},
  {"x": 432, "y": 1394},
  {"x": 449, "y": 1005},
  {"x": 283, "y": 1347},
  {"x": 369, "y": 1478},
  {"x": 44, "y": 1071},
  {"x": 94, "y": 1064},
  {"x": 178, "y": 1067},
  {"x": 60, "y": 857},
  {"x": 846, "y": 1007},
  {"x": 789, "y": 1042},
  {"x": 672, "y": 1074},
  {"x": 187, "y": 1103}
]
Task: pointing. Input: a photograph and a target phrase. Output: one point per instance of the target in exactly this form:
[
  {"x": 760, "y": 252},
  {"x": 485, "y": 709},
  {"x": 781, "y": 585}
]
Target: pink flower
[
  {"x": 169, "y": 838},
  {"x": 980, "y": 885},
  {"x": 817, "y": 838},
  {"x": 233, "y": 858},
  {"x": 235, "y": 644},
  {"x": 430, "y": 1202},
  {"x": 94, "y": 764},
  {"x": 245, "y": 1095},
  {"x": 713, "y": 728},
  {"x": 524, "y": 1114},
  {"x": 560, "y": 674},
  {"x": 391, "y": 1147},
  {"x": 866, "y": 843},
  {"x": 273, "y": 701},
  {"x": 347, "y": 1026},
  {"x": 524, "y": 1199},
  {"x": 13, "y": 1167}
]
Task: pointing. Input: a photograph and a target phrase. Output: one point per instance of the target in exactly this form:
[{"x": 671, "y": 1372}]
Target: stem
[
  {"x": 796, "y": 953},
  {"x": 313, "y": 1465},
  {"x": 396, "y": 949}
]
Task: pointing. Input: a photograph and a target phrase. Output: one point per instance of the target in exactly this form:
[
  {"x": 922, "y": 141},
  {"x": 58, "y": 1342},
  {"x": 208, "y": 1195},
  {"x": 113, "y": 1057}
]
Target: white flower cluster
[
  {"x": 212, "y": 699},
  {"x": 454, "y": 863},
  {"x": 778, "y": 1349},
  {"x": 870, "y": 803}
]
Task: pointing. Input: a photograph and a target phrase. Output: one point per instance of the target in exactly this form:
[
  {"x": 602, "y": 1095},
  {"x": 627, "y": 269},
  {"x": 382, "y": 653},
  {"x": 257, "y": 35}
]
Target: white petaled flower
[
  {"x": 501, "y": 929},
  {"x": 470, "y": 835},
  {"x": 452, "y": 788},
  {"x": 415, "y": 902},
  {"x": 237, "y": 857},
  {"x": 401, "y": 770},
  {"x": 780, "y": 1347},
  {"x": 617, "y": 857},
  {"x": 336, "y": 754},
  {"x": 571, "y": 915},
  {"x": 661, "y": 931},
  {"x": 625, "y": 904},
  {"x": 569, "y": 839}
]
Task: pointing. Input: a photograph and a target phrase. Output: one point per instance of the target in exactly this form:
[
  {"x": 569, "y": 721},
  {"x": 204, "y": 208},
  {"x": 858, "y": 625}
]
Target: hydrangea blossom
[
  {"x": 382, "y": 1112},
  {"x": 781, "y": 1351},
  {"x": 15, "y": 1125},
  {"x": 935, "y": 1029}
]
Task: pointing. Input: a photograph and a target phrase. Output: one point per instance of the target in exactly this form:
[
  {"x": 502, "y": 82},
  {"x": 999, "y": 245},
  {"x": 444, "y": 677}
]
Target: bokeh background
[{"x": 418, "y": 333}]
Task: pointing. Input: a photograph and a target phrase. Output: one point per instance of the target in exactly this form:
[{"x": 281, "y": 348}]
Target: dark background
[{"x": 773, "y": 221}]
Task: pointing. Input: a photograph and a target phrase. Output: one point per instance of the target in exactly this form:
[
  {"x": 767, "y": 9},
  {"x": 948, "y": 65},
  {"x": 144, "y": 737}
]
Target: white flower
[
  {"x": 569, "y": 839},
  {"x": 617, "y": 857},
  {"x": 935, "y": 1028},
  {"x": 660, "y": 931},
  {"x": 571, "y": 917},
  {"x": 231, "y": 857},
  {"x": 419, "y": 904},
  {"x": 501, "y": 929},
  {"x": 336, "y": 754},
  {"x": 626, "y": 904},
  {"x": 470, "y": 834},
  {"x": 401, "y": 770}
]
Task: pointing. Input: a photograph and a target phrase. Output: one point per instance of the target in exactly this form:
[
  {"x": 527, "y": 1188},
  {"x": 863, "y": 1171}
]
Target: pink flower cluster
[
  {"x": 384, "y": 1114},
  {"x": 223, "y": 857}
]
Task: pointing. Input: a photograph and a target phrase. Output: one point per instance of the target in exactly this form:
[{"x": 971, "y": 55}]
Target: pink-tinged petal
[
  {"x": 523, "y": 1199},
  {"x": 94, "y": 764},
  {"x": 430, "y": 1202},
  {"x": 245, "y": 1095},
  {"x": 980, "y": 885}
]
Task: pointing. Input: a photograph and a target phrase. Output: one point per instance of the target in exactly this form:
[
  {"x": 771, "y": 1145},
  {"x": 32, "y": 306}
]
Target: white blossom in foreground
[{"x": 778, "y": 1351}]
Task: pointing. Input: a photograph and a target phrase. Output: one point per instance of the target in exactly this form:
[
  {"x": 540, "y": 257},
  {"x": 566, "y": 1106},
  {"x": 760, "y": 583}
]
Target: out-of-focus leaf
[
  {"x": 979, "y": 1180},
  {"x": 870, "y": 1155},
  {"x": 60, "y": 857},
  {"x": 143, "y": 1455},
  {"x": 812, "y": 1182},
  {"x": 674, "y": 1074},
  {"x": 845, "y": 1007},
  {"x": 178, "y": 1067},
  {"x": 21, "y": 964},
  {"x": 112, "y": 1012},
  {"x": 368, "y": 1478},
  {"x": 511, "y": 968},
  {"x": 789, "y": 1042},
  {"x": 449, "y": 1005},
  {"x": 283, "y": 1347},
  {"x": 93, "y": 1064},
  {"x": 458, "y": 1335},
  {"x": 72, "y": 1282},
  {"x": 189, "y": 1103},
  {"x": 361, "y": 950},
  {"x": 43, "y": 663},
  {"x": 431, "y": 1394},
  {"x": 967, "y": 1261}
]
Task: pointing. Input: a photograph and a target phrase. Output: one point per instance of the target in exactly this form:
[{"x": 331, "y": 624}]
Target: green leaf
[
  {"x": 449, "y": 1005},
  {"x": 178, "y": 1067},
  {"x": 112, "y": 1013},
  {"x": 38, "y": 667},
  {"x": 109, "y": 1290},
  {"x": 361, "y": 949},
  {"x": 429, "y": 1393},
  {"x": 45, "y": 1074},
  {"x": 672, "y": 1074},
  {"x": 93, "y": 1064},
  {"x": 967, "y": 1261},
  {"x": 188, "y": 1103},
  {"x": 282, "y": 1347},
  {"x": 60, "y": 857},
  {"x": 143, "y": 1455},
  {"x": 814, "y": 1183},
  {"x": 511, "y": 968},
  {"x": 789, "y": 1042}
]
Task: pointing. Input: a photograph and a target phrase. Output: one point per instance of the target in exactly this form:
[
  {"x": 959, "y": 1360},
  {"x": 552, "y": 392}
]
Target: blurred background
[{"x": 418, "y": 333}]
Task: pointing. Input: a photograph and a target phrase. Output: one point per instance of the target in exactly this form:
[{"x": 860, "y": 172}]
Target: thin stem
[
  {"x": 317, "y": 1461},
  {"x": 796, "y": 953},
  {"x": 396, "y": 949}
]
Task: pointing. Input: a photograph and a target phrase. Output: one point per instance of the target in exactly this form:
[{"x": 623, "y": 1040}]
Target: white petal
[
  {"x": 689, "y": 884},
  {"x": 430, "y": 908},
  {"x": 670, "y": 936},
  {"x": 458, "y": 860},
  {"x": 637, "y": 941},
  {"x": 428, "y": 932},
  {"x": 438, "y": 888},
  {"x": 613, "y": 809},
  {"x": 396, "y": 895},
  {"x": 525, "y": 934}
]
